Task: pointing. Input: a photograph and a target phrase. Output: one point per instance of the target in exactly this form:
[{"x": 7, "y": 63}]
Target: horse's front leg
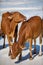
[
  {"x": 15, "y": 37},
  {"x": 30, "y": 40},
  {"x": 10, "y": 45},
  {"x": 40, "y": 52},
  {"x": 34, "y": 46},
  {"x": 4, "y": 41},
  {"x": 20, "y": 56}
]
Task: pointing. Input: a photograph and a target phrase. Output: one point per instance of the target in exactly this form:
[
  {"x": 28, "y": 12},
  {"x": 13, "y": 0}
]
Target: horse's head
[
  {"x": 6, "y": 14},
  {"x": 18, "y": 17},
  {"x": 15, "y": 50}
]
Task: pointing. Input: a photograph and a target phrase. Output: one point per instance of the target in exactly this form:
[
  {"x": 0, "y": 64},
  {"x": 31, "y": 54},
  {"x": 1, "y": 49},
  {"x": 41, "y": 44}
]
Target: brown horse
[
  {"x": 4, "y": 15},
  {"x": 30, "y": 30},
  {"x": 9, "y": 25}
]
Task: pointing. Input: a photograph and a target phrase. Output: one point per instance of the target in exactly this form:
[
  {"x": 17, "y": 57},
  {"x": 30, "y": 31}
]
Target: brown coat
[
  {"x": 30, "y": 29},
  {"x": 9, "y": 23}
]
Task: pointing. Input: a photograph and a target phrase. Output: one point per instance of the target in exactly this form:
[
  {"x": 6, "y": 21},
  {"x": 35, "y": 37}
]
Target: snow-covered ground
[{"x": 6, "y": 60}]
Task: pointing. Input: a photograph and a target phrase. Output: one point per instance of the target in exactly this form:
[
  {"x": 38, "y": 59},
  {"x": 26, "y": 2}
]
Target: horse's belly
[
  {"x": 36, "y": 29},
  {"x": 37, "y": 32}
]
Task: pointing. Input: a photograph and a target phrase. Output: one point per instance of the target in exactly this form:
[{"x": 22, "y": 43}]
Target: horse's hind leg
[
  {"x": 34, "y": 46},
  {"x": 4, "y": 41},
  {"x": 40, "y": 52},
  {"x": 9, "y": 41},
  {"x": 30, "y": 41},
  {"x": 20, "y": 56}
]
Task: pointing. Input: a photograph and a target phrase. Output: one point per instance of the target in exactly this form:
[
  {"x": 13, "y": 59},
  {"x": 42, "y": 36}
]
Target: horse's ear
[{"x": 10, "y": 17}]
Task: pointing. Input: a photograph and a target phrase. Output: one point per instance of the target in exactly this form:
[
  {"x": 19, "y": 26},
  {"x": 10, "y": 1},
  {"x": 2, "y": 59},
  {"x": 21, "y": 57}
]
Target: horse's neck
[
  {"x": 21, "y": 40},
  {"x": 13, "y": 25}
]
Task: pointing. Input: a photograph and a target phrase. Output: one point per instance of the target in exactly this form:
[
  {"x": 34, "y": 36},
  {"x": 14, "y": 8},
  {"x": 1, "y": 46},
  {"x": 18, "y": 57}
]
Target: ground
[{"x": 6, "y": 60}]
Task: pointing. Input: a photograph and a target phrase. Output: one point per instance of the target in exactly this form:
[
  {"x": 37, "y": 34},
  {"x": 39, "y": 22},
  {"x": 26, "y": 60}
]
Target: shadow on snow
[{"x": 28, "y": 55}]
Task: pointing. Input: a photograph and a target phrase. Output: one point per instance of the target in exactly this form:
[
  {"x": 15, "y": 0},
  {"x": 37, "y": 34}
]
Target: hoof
[
  {"x": 40, "y": 54},
  {"x": 20, "y": 59},
  {"x": 34, "y": 52},
  {"x": 4, "y": 46},
  {"x": 31, "y": 58}
]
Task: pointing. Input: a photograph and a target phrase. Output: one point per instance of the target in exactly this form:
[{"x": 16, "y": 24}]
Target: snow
[{"x": 6, "y": 60}]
